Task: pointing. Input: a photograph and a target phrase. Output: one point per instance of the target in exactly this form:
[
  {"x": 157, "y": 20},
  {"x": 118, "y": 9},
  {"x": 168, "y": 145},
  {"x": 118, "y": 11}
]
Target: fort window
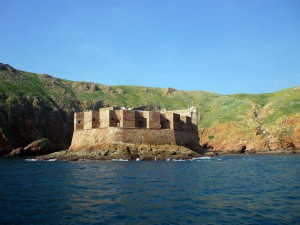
[
  {"x": 164, "y": 122},
  {"x": 164, "y": 125},
  {"x": 79, "y": 121},
  {"x": 113, "y": 118},
  {"x": 94, "y": 119},
  {"x": 140, "y": 123}
]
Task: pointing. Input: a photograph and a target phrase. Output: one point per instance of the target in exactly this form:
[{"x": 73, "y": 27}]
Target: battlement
[
  {"x": 181, "y": 120},
  {"x": 114, "y": 126}
]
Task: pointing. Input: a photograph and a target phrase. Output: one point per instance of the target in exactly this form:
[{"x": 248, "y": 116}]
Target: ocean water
[{"x": 220, "y": 190}]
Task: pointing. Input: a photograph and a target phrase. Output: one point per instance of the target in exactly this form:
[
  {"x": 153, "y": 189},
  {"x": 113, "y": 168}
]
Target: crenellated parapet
[
  {"x": 79, "y": 121},
  {"x": 181, "y": 120},
  {"x": 115, "y": 126}
]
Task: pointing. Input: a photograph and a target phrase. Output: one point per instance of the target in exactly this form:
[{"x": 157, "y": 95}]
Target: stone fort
[{"x": 114, "y": 125}]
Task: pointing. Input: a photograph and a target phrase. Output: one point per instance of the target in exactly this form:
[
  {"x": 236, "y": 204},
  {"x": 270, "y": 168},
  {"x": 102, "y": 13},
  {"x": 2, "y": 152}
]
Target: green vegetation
[{"x": 72, "y": 96}]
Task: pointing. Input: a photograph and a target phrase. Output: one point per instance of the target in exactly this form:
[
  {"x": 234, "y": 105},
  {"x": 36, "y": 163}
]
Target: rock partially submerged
[
  {"x": 39, "y": 147},
  {"x": 126, "y": 151}
]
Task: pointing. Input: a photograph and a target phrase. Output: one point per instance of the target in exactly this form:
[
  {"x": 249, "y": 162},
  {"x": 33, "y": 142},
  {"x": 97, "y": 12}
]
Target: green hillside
[
  {"x": 34, "y": 95},
  {"x": 212, "y": 107}
]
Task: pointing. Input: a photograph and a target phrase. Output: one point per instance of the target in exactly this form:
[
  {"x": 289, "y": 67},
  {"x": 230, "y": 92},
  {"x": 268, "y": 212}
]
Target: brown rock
[
  {"x": 86, "y": 87},
  {"x": 120, "y": 91},
  {"x": 39, "y": 147},
  {"x": 18, "y": 152},
  {"x": 126, "y": 151},
  {"x": 4, "y": 145},
  {"x": 169, "y": 91},
  {"x": 230, "y": 137}
]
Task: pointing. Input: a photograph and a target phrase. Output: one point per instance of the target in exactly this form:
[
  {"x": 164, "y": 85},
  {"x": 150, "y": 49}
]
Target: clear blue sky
[{"x": 223, "y": 46}]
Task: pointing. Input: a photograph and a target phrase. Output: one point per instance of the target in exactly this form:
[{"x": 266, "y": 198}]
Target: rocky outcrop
[
  {"x": 5, "y": 147},
  {"x": 39, "y": 147},
  {"x": 86, "y": 86},
  {"x": 126, "y": 151},
  {"x": 282, "y": 136},
  {"x": 7, "y": 68},
  {"x": 36, "y": 106},
  {"x": 169, "y": 91},
  {"x": 31, "y": 120},
  {"x": 121, "y": 91}
]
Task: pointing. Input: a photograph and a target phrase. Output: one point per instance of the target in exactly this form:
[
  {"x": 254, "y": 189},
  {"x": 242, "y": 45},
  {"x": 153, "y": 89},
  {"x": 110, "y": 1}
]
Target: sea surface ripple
[{"x": 219, "y": 190}]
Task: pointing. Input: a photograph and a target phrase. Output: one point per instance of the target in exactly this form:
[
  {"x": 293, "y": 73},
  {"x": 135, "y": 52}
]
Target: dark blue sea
[{"x": 219, "y": 190}]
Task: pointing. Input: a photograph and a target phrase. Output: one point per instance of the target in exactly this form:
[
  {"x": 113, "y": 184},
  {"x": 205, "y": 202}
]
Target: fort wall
[
  {"x": 192, "y": 116},
  {"x": 127, "y": 118},
  {"x": 153, "y": 120},
  {"x": 91, "y": 119},
  {"x": 112, "y": 125},
  {"x": 78, "y": 121},
  {"x": 111, "y": 117},
  {"x": 104, "y": 117},
  {"x": 91, "y": 139}
]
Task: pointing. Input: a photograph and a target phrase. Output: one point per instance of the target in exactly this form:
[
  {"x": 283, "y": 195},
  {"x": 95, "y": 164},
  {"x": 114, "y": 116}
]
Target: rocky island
[
  {"x": 125, "y": 133},
  {"x": 37, "y": 116}
]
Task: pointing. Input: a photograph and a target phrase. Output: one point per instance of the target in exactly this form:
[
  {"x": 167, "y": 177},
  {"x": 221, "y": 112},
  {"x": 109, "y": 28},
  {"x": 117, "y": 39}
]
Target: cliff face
[
  {"x": 33, "y": 107},
  {"x": 36, "y": 106},
  {"x": 282, "y": 136},
  {"x": 270, "y": 123}
]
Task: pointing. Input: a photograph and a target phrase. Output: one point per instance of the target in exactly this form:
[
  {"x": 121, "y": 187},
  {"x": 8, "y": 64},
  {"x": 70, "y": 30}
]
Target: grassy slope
[
  {"x": 212, "y": 107},
  {"x": 21, "y": 85},
  {"x": 275, "y": 105}
]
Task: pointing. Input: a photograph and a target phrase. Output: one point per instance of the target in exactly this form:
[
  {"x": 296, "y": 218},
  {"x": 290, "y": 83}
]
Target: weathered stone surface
[
  {"x": 4, "y": 144},
  {"x": 39, "y": 147},
  {"x": 133, "y": 133},
  {"x": 126, "y": 151},
  {"x": 7, "y": 68},
  {"x": 226, "y": 138},
  {"x": 86, "y": 86},
  {"x": 169, "y": 91},
  {"x": 99, "y": 138},
  {"x": 42, "y": 106},
  {"x": 18, "y": 152}
]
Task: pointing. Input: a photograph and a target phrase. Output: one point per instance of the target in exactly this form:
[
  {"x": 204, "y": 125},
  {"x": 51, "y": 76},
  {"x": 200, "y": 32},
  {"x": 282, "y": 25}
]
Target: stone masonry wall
[
  {"x": 114, "y": 118},
  {"x": 94, "y": 129},
  {"x": 127, "y": 118},
  {"x": 164, "y": 122},
  {"x": 173, "y": 119},
  {"x": 104, "y": 118},
  {"x": 91, "y": 119},
  {"x": 153, "y": 120},
  {"x": 192, "y": 114},
  {"x": 87, "y": 139},
  {"x": 110, "y": 117},
  {"x": 78, "y": 120},
  {"x": 141, "y": 119}
]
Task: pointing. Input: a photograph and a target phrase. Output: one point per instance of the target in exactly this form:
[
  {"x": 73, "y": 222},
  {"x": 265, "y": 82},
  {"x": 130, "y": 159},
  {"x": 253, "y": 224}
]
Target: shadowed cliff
[{"x": 35, "y": 106}]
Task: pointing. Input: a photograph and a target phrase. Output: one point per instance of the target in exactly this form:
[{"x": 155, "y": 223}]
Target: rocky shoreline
[
  {"x": 99, "y": 155},
  {"x": 38, "y": 106},
  {"x": 127, "y": 151},
  {"x": 43, "y": 150}
]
